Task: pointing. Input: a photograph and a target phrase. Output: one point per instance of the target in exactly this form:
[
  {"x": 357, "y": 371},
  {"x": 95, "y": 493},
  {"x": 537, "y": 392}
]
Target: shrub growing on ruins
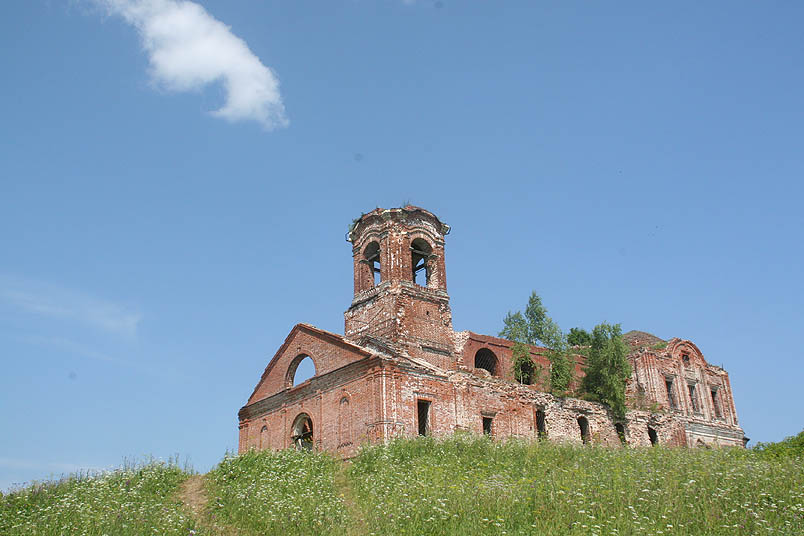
[
  {"x": 579, "y": 337},
  {"x": 607, "y": 367},
  {"x": 525, "y": 370},
  {"x": 536, "y": 327}
]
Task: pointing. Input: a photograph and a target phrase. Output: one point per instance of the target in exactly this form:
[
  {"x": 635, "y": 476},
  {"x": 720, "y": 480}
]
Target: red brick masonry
[{"x": 401, "y": 370}]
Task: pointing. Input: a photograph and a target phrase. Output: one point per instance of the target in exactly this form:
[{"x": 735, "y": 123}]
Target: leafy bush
[
  {"x": 790, "y": 447},
  {"x": 579, "y": 337},
  {"x": 607, "y": 368},
  {"x": 536, "y": 327}
]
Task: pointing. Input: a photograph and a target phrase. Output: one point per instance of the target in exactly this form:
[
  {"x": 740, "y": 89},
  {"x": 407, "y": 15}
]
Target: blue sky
[{"x": 175, "y": 186}]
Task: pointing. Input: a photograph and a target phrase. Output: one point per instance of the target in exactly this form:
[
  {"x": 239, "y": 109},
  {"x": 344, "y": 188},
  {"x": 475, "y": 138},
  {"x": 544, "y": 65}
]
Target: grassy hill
[{"x": 461, "y": 485}]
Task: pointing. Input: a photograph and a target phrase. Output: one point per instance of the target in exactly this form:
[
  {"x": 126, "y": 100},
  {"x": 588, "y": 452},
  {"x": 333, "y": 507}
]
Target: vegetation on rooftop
[{"x": 606, "y": 369}]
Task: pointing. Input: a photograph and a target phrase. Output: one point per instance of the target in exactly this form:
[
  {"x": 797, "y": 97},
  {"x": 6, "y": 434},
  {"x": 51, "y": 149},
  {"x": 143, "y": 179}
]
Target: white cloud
[
  {"x": 48, "y": 300},
  {"x": 188, "y": 49}
]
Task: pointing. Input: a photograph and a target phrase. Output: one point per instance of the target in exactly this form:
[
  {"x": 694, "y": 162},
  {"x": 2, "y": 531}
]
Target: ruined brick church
[{"x": 401, "y": 370}]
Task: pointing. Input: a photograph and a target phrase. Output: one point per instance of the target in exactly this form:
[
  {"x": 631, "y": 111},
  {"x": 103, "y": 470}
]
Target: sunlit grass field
[
  {"x": 460, "y": 485},
  {"x": 475, "y": 486},
  {"x": 282, "y": 493},
  {"x": 135, "y": 500}
]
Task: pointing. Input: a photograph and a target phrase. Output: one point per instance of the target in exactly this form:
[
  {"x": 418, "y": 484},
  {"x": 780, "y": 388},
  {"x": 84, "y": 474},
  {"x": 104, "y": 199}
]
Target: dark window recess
[
  {"x": 540, "y": 424},
  {"x": 423, "y": 412},
  {"x": 485, "y": 359},
  {"x": 487, "y": 429},
  {"x": 420, "y": 254},
  {"x": 372, "y": 258},
  {"x": 716, "y": 404},
  {"x": 653, "y": 436},
  {"x": 583, "y": 424},
  {"x": 671, "y": 396},
  {"x": 620, "y": 432},
  {"x": 694, "y": 399},
  {"x": 685, "y": 358}
]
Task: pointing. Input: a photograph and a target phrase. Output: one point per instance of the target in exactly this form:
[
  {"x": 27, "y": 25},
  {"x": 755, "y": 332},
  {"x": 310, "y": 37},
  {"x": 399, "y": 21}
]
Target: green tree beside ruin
[
  {"x": 537, "y": 328},
  {"x": 607, "y": 368}
]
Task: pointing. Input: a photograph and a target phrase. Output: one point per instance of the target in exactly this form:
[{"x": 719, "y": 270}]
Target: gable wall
[
  {"x": 326, "y": 355},
  {"x": 337, "y": 427}
]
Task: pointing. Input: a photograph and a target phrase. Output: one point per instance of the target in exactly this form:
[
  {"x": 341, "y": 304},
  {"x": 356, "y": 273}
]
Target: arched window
[
  {"x": 302, "y": 432},
  {"x": 583, "y": 424},
  {"x": 344, "y": 422},
  {"x": 420, "y": 253},
  {"x": 263, "y": 437},
  {"x": 485, "y": 359},
  {"x": 620, "y": 427},
  {"x": 300, "y": 370},
  {"x": 371, "y": 257},
  {"x": 653, "y": 436}
]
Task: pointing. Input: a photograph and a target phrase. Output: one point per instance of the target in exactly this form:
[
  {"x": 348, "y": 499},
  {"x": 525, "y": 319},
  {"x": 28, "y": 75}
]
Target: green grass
[
  {"x": 460, "y": 485},
  {"x": 284, "y": 493},
  {"x": 130, "y": 501},
  {"x": 475, "y": 486}
]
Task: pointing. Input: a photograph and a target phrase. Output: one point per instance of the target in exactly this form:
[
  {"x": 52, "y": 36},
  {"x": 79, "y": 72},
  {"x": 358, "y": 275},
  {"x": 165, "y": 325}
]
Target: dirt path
[
  {"x": 357, "y": 526},
  {"x": 194, "y": 497}
]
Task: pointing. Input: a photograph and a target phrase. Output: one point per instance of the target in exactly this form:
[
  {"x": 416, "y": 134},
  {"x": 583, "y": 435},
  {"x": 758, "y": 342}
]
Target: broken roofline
[{"x": 380, "y": 213}]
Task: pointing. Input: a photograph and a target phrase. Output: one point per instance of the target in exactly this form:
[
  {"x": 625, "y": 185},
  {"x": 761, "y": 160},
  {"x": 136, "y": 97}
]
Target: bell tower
[{"x": 400, "y": 285}]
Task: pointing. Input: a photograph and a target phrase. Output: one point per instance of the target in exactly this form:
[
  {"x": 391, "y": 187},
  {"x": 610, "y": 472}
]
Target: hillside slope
[{"x": 461, "y": 485}]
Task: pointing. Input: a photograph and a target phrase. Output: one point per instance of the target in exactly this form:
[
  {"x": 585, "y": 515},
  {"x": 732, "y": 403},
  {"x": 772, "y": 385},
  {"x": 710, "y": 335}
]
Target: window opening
[
  {"x": 263, "y": 437},
  {"x": 620, "y": 432},
  {"x": 716, "y": 404},
  {"x": 653, "y": 436},
  {"x": 420, "y": 253},
  {"x": 671, "y": 397},
  {"x": 305, "y": 369},
  {"x": 541, "y": 429},
  {"x": 302, "y": 436},
  {"x": 485, "y": 359},
  {"x": 372, "y": 258},
  {"x": 423, "y": 412},
  {"x": 487, "y": 429},
  {"x": 685, "y": 358},
  {"x": 693, "y": 398},
  {"x": 583, "y": 424},
  {"x": 344, "y": 423}
]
